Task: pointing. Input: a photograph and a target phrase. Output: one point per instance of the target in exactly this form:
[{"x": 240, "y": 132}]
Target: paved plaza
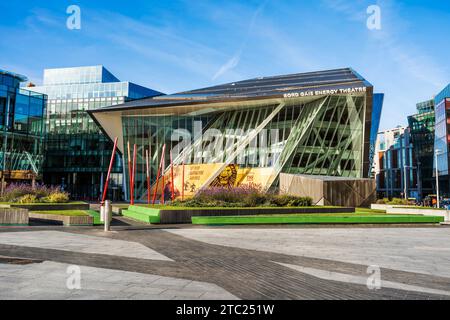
[{"x": 186, "y": 262}]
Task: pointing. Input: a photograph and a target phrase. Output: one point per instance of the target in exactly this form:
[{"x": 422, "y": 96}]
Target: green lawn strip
[
  {"x": 169, "y": 207},
  {"x": 121, "y": 205},
  {"x": 96, "y": 216},
  {"x": 420, "y": 208},
  {"x": 73, "y": 213},
  {"x": 316, "y": 219},
  {"x": 144, "y": 214},
  {"x": 367, "y": 210},
  {"x": 42, "y": 203},
  {"x": 45, "y": 203}
]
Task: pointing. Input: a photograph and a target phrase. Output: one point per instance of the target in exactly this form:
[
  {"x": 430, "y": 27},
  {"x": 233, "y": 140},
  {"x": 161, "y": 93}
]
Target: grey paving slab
[
  {"x": 424, "y": 250},
  {"x": 80, "y": 243},
  {"x": 266, "y": 272},
  {"x": 336, "y": 276},
  {"x": 50, "y": 281}
]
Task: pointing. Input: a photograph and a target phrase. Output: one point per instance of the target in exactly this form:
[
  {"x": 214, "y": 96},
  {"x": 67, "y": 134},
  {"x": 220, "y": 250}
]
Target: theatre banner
[{"x": 196, "y": 175}]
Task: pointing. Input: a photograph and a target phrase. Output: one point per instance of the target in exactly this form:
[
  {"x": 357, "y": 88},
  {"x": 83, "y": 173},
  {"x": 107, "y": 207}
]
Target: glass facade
[
  {"x": 378, "y": 99},
  {"x": 321, "y": 137},
  {"x": 78, "y": 153},
  {"x": 78, "y": 75},
  {"x": 442, "y": 136},
  {"x": 441, "y": 145},
  {"x": 22, "y": 129},
  {"x": 422, "y": 127},
  {"x": 425, "y": 106},
  {"x": 248, "y": 132},
  {"x": 397, "y": 168},
  {"x": 442, "y": 95}
]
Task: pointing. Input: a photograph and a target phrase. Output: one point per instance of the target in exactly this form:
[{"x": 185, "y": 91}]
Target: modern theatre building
[{"x": 251, "y": 131}]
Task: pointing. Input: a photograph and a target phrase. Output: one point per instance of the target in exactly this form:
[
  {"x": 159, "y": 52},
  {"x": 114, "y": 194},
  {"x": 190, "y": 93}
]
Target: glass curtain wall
[
  {"x": 320, "y": 136},
  {"x": 22, "y": 127},
  {"x": 78, "y": 152}
]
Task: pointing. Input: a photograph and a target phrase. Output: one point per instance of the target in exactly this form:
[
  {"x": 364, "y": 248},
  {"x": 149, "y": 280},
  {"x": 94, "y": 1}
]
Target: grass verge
[
  {"x": 169, "y": 207},
  {"x": 317, "y": 219},
  {"x": 73, "y": 213}
]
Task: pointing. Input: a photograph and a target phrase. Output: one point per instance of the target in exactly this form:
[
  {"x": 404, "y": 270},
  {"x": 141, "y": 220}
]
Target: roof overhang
[{"x": 109, "y": 119}]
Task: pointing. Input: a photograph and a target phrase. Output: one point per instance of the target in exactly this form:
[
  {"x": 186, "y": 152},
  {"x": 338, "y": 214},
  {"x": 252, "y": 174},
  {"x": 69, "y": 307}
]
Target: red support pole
[
  {"x": 129, "y": 169},
  {"x": 157, "y": 175},
  {"x": 163, "y": 168},
  {"x": 111, "y": 163},
  {"x": 171, "y": 177},
  {"x": 133, "y": 174},
  {"x": 148, "y": 175},
  {"x": 182, "y": 184}
]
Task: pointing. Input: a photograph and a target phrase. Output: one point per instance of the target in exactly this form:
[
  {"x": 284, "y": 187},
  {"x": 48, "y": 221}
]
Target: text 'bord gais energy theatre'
[{"x": 250, "y": 132}]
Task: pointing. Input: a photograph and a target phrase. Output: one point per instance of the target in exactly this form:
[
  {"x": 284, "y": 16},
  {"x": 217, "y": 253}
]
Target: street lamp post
[{"x": 436, "y": 153}]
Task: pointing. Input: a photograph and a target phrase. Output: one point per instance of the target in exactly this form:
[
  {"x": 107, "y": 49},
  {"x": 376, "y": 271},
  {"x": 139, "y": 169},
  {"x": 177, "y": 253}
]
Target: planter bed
[
  {"x": 95, "y": 216},
  {"x": 66, "y": 218},
  {"x": 51, "y": 206},
  {"x": 171, "y": 215},
  {"x": 13, "y": 217},
  {"x": 420, "y": 210},
  {"x": 316, "y": 219}
]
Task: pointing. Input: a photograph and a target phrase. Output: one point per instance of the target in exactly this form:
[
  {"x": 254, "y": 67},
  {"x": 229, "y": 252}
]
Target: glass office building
[
  {"x": 248, "y": 132},
  {"x": 377, "y": 107},
  {"x": 22, "y": 128},
  {"x": 422, "y": 137},
  {"x": 396, "y": 171},
  {"x": 441, "y": 145},
  {"x": 78, "y": 153},
  {"x": 442, "y": 140}
]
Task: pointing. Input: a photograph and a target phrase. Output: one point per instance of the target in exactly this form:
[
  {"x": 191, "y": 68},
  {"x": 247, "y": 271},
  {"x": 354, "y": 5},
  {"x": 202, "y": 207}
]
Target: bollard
[
  {"x": 107, "y": 212},
  {"x": 102, "y": 213}
]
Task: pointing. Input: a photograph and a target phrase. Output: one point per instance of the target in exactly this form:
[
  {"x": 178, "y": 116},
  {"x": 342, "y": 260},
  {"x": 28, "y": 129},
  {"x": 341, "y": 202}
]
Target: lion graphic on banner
[{"x": 227, "y": 178}]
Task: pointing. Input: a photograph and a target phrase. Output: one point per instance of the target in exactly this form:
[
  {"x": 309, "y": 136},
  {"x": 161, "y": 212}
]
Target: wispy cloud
[
  {"x": 404, "y": 69},
  {"x": 155, "y": 42},
  {"x": 229, "y": 65},
  {"x": 408, "y": 57},
  {"x": 351, "y": 9},
  {"x": 234, "y": 60}
]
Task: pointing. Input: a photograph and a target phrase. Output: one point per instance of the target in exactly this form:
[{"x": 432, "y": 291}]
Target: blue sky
[{"x": 179, "y": 44}]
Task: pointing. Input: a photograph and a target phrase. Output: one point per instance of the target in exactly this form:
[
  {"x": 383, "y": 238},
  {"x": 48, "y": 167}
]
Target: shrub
[
  {"x": 398, "y": 201},
  {"x": 255, "y": 200},
  {"x": 16, "y": 192},
  {"x": 394, "y": 201},
  {"x": 285, "y": 200},
  {"x": 231, "y": 195},
  {"x": 28, "y": 198},
  {"x": 242, "y": 196},
  {"x": 57, "y": 197}
]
